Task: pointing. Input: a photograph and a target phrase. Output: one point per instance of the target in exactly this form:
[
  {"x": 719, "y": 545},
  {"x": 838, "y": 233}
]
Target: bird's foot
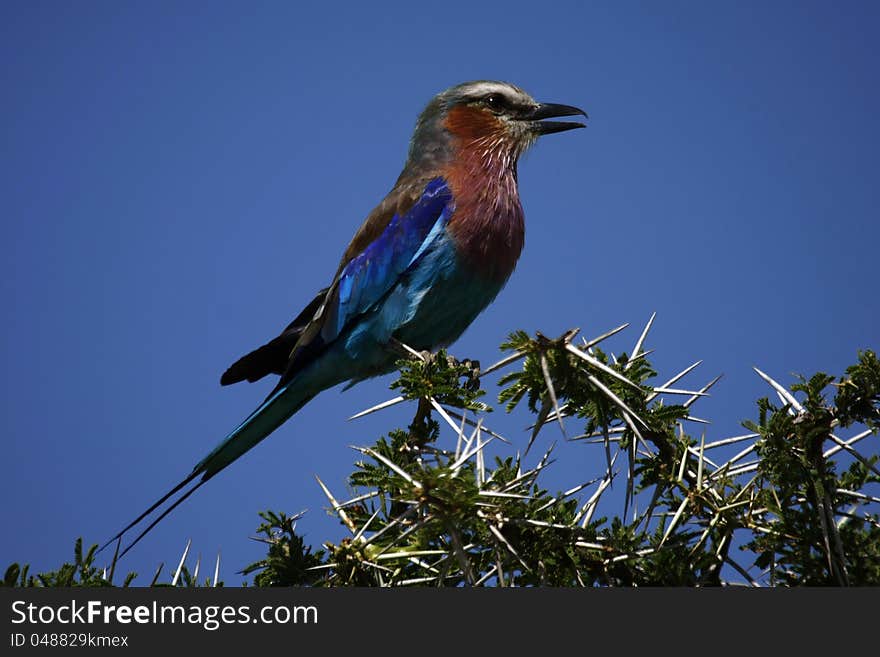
[
  {"x": 429, "y": 356},
  {"x": 469, "y": 364},
  {"x": 470, "y": 370},
  {"x": 470, "y": 367}
]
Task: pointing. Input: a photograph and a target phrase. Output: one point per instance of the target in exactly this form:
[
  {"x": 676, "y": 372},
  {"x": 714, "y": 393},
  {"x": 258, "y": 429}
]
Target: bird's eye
[{"x": 495, "y": 101}]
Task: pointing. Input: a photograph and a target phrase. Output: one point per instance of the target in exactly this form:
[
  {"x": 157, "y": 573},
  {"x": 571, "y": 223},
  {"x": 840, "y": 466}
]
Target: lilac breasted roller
[{"x": 426, "y": 261}]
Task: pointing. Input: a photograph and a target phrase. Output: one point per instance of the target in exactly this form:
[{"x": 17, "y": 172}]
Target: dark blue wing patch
[{"x": 371, "y": 274}]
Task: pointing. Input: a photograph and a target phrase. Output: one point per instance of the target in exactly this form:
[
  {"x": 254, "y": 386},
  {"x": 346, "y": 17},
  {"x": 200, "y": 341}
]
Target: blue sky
[{"x": 177, "y": 180}]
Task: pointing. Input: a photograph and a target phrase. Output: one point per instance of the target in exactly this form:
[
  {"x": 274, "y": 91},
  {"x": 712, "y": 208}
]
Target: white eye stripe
[
  {"x": 486, "y": 88},
  {"x": 507, "y": 91}
]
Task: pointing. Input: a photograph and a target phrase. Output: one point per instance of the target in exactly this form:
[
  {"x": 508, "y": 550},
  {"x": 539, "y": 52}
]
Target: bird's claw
[
  {"x": 471, "y": 373},
  {"x": 473, "y": 366},
  {"x": 429, "y": 356}
]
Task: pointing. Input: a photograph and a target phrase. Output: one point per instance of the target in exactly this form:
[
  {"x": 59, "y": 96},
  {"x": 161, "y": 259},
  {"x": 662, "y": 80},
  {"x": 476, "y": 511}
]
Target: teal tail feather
[
  {"x": 279, "y": 407},
  {"x": 272, "y": 413}
]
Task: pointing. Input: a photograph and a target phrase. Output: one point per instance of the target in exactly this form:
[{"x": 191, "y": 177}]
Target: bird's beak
[{"x": 549, "y": 111}]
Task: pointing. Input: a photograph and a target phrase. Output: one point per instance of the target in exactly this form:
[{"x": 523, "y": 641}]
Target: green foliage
[
  {"x": 442, "y": 377},
  {"x": 428, "y": 516},
  {"x": 82, "y": 572},
  {"x": 424, "y": 512},
  {"x": 858, "y": 393},
  {"x": 812, "y": 533},
  {"x": 289, "y": 559}
]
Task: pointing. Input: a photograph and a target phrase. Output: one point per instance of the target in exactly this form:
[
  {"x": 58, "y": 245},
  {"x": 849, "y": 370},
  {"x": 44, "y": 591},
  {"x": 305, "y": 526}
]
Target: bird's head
[{"x": 496, "y": 121}]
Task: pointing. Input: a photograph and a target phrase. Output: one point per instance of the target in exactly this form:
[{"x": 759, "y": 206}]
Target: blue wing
[{"x": 369, "y": 276}]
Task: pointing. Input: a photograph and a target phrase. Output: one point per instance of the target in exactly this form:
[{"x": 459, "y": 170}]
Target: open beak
[{"x": 550, "y": 111}]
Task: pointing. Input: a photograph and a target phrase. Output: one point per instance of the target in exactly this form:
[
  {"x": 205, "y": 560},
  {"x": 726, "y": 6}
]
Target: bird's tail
[{"x": 278, "y": 407}]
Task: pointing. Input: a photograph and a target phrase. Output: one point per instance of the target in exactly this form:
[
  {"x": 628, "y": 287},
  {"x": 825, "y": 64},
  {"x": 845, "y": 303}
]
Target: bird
[{"x": 425, "y": 262}]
